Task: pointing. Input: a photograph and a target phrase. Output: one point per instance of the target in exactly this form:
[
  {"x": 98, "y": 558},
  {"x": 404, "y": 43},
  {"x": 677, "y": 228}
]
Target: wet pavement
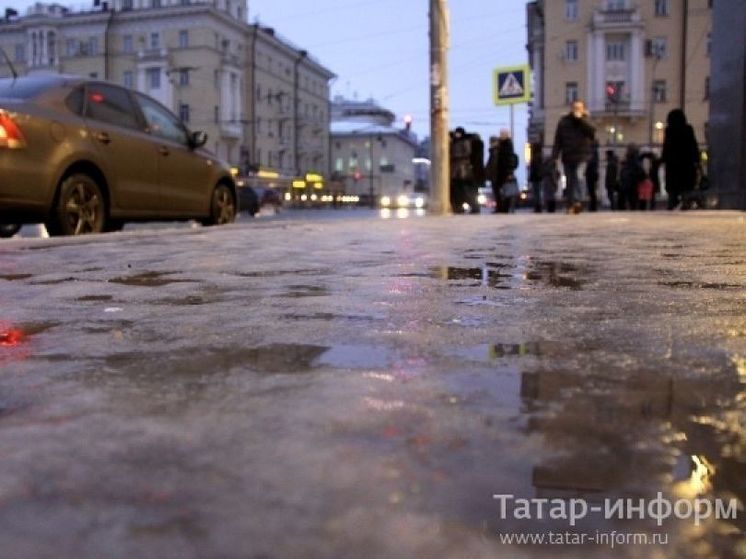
[{"x": 362, "y": 388}]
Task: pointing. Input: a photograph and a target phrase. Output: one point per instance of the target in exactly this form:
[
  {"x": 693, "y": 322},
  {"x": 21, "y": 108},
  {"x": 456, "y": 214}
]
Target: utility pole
[{"x": 440, "y": 168}]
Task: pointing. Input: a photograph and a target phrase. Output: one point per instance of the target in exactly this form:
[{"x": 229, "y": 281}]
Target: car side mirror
[{"x": 197, "y": 139}]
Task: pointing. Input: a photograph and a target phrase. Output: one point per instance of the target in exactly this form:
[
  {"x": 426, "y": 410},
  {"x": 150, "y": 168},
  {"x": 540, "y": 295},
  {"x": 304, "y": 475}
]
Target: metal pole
[
  {"x": 512, "y": 126},
  {"x": 370, "y": 175},
  {"x": 440, "y": 169}
]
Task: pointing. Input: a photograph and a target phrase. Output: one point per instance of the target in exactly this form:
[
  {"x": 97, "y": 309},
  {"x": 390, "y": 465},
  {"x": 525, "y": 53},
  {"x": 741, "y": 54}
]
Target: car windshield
[{"x": 24, "y": 88}]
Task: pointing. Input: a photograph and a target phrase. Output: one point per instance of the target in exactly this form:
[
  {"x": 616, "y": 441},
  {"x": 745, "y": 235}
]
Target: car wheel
[
  {"x": 223, "y": 206},
  {"x": 7, "y": 230},
  {"x": 81, "y": 208}
]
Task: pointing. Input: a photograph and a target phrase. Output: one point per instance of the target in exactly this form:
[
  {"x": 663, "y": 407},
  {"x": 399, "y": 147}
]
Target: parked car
[{"x": 86, "y": 156}]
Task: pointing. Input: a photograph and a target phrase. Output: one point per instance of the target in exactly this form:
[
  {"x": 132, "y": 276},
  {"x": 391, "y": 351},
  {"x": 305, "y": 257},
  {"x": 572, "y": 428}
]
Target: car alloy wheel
[
  {"x": 81, "y": 208},
  {"x": 7, "y": 230},
  {"x": 223, "y": 206}
]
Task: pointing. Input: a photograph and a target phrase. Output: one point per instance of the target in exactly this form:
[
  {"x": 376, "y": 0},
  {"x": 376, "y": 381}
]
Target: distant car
[
  {"x": 86, "y": 156},
  {"x": 416, "y": 201},
  {"x": 268, "y": 197}
]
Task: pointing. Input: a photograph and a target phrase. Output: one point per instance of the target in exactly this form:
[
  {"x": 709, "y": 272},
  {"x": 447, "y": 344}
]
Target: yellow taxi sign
[
  {"x": 264, "y": 174},
  {"x": 313, "y": 177},
  {"x": 299, "y": 183}
]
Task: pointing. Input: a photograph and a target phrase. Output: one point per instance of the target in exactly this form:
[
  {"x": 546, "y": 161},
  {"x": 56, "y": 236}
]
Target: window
[
  {"x": 216, "y": 78},
  {"x": 127, "y": 45},
  {"x": 339, "y": 164},
  {"x": 571, "y": 10},
  {"x": 616, "y": 5},
  {"x": 74, "y": 101},
  {"x": 658, "y": 47},
  {"x": 111, "y": 105},
  {"x": 128, "y": 79},
  {"x": 20, "y": 53},
  {"x": 93, "y": 46},
  {"x": 661, "y": 8},
  {"x": 126, "y": 5},
  {"x": 615, "y": 50},
  {"x": 156, "y": 3},
  {"x": 183, "y": 38},
  {"x": 184, "y": 112},
  {"x": 709, "y": 43},
  {"x": 571, "y": 51},
  {"x": 571, "y": 92},
  {"x": 71, "y": 47},
  {"x": 659, "y": 91},
  {"x": 707, "y": 88},
  {"x": 183, "y": 76},
  {"x": 161, "y": 122},
  {"x": 155, "y": 40},
  {"x": 153, "y": 77}
]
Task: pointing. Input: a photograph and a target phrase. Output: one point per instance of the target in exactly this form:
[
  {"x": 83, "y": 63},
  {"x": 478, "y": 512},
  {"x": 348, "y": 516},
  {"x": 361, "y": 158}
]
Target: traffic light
[
  {"x": 357, "y": 175},
  {"x": 612, "y": 93}
]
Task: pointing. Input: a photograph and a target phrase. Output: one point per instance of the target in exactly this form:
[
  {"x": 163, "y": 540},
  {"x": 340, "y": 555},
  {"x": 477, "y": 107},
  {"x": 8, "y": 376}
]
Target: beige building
[
  {"x": 262, "y": 101},
  {"x": 370, "y": 154},
  {"x": 654, "y": 54}
]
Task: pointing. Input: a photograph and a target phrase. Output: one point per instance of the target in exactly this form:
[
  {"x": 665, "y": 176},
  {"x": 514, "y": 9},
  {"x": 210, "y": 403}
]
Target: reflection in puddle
[
  {"x": 700, "y": 285},
  {"x": 15, "y": 277},
  {"x": 490, "y": 352},
  {"x": 505, "y": 276}
]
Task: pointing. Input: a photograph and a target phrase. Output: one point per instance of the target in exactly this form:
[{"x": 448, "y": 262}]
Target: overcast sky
[{"x": 379, "y": 49}]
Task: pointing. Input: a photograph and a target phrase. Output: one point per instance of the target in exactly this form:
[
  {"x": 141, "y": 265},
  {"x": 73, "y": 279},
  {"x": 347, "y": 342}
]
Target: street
[{"x": 362, "y": 387}]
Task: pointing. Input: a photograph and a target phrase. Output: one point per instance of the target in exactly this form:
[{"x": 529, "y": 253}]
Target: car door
[
  {"x": 131, "y": 163},
  {"x": 183, "y": 174}
]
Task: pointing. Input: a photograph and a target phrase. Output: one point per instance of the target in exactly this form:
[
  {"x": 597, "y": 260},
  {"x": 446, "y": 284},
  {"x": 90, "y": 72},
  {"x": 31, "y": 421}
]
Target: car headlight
[
  {"x": 402, "y": 201},
  {"x": 385, "y": 201},
  {"x": 482, "y": 199},
  {"x": 419, "y": 202}
]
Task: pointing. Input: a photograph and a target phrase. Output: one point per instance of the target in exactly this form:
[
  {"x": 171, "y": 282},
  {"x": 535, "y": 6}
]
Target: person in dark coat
[
  {"x": 591, "y": 177},
  {"x": 549, "y": 181},
  {"x": 612, "y": 178},
  {"x": 652, "y": 165},
  {"x": 536, "y": 175},
  {"x": 467, "y": 170},
  {"x": 632, "y": 173},
  {"x": 500, "y": 166},
  {"x": 680, "y": 157},
  {"x": 573, "y": 143}
]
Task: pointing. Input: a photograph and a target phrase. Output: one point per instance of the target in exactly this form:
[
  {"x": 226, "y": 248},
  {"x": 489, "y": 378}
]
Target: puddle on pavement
[
  {"x": 149, "y": 279},
  {"x": 356, "y": 357},
  {"x": 188, "y": 301},
  {"x": 506, "y": 276},
  {"x": 94, "y": 298},
  {"x": 55, "y": 281},
  {"x": 298, "y": 291},
  {"x": 329, "y": 317},
  {"x": 15, "y": 277},
  {"x": 700, "y": 285},
  {"x": 491, "y": 352},
  {"x": 12, "y": 336},
  {"x": 280, "y": 273}
]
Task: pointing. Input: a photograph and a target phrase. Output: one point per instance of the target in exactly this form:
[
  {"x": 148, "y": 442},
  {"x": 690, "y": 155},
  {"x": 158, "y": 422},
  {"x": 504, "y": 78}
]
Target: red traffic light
[{"x": 357, "y": 176}]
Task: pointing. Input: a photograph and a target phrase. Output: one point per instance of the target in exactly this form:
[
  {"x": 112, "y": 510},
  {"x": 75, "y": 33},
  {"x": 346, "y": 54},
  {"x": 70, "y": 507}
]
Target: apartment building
[
  {"x": 631, "y": 61},
  {"x": 370, "y": 154},
  {"x": 199, "y": 58}
]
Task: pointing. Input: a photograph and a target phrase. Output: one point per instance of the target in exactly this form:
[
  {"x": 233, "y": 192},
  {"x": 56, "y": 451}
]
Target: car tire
[
  {"x": 7, "y": 230},
  {"x": 81, "y": 208},
  {"x": 222, "y": 206}
]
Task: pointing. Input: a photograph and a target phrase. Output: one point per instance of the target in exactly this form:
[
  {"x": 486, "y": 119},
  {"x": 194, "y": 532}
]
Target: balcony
[
  {"x": 152, "y": 54},
  {"x": 231, "y": 129},
  {"x": 616, "y": 19},
  {"x": 626, "y": 109}
]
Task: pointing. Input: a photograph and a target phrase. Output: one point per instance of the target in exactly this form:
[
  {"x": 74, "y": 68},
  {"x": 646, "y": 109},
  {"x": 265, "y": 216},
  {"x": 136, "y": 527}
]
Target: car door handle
[
  {"x": 163, "y": 150},
  {"x": 103, "y": 137}
]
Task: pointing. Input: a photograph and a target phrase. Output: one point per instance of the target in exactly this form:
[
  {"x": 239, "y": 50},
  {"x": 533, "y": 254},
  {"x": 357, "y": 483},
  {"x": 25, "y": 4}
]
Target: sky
[{"x": 380, "y": 49}]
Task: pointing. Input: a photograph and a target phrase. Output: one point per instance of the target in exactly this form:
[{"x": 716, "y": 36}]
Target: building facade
[
  {"x": 370, "y": 154},
  {"x": 202, "y": 60},
  {"x": 631, "y": 61}
]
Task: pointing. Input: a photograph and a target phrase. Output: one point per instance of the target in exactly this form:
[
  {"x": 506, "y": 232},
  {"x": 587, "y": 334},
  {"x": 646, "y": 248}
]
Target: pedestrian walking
[
  {"x": 680, "y": 157},
  {"x": 611, "y": 180},
  {"x": 549, "y": 182},
  {"x": 591, "y": 177},
  {"x": 631, "y": 175},
  {"x": 573, "y": 143},
  {"x": 536, "y": 174},
  {"x": 500, "y": 166},
  {"x": 467, "y": 170},
  {"x": 652, "y": 164}
]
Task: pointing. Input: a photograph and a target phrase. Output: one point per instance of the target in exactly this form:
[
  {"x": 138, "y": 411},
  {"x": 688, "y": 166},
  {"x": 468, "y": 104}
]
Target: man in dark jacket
[
  {"x": 680, "y": 157},
  {"x": 467, "y": 170},
  {"x": 573, "y": 143},
  {"x": 612, "y": 178},
  {"x": 500, "y": 166}
]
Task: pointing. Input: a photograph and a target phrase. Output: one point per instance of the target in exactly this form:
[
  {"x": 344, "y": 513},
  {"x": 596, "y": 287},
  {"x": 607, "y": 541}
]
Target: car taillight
[{"x": 10, "y": 135}]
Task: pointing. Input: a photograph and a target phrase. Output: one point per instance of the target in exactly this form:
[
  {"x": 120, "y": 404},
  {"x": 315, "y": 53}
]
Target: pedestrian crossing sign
[{"x": 511, "y": 85}]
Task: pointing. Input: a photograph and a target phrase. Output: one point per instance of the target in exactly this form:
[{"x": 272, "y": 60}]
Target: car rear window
[{"x": 24, "y": 88}]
